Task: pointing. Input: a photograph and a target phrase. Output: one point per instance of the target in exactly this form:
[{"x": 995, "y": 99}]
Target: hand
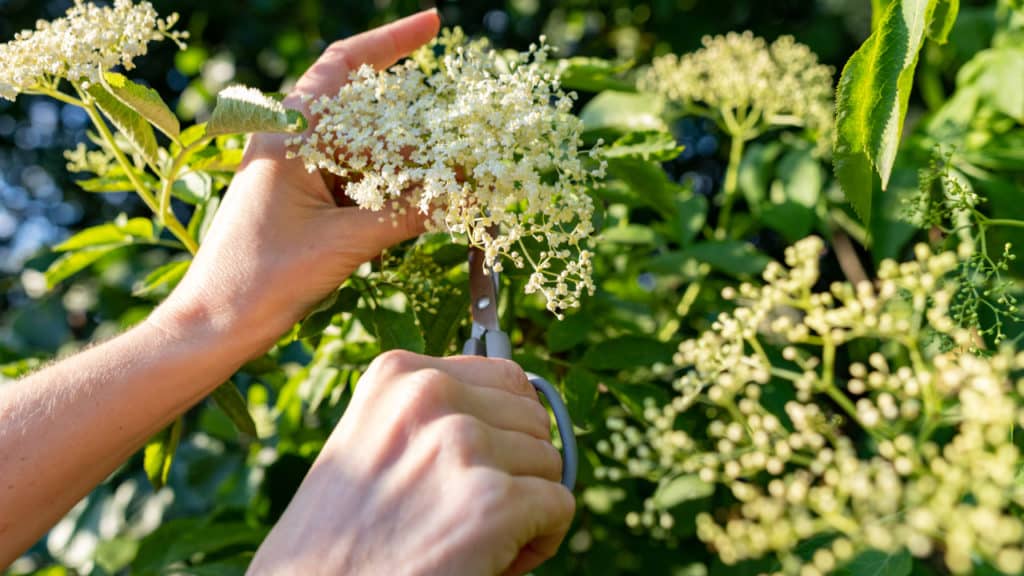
[
  {"x": 439, "y": 466},
  {"x": 279, "y": 244}
]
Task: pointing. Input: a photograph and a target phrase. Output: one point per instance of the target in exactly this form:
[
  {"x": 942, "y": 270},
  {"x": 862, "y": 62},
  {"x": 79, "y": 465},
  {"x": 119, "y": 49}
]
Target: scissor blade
[{"x": 483, "y": 292}]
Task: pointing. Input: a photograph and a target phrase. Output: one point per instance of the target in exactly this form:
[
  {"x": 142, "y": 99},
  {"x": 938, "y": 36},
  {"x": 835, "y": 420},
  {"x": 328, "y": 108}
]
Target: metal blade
[{"x": 483, "y": 292}]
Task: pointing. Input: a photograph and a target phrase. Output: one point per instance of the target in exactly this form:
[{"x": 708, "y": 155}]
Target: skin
[{"x": 421, "y": 476}]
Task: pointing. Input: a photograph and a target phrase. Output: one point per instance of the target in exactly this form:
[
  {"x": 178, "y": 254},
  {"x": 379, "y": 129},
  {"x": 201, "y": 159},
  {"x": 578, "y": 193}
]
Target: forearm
[{"x": 64, "y": 429}]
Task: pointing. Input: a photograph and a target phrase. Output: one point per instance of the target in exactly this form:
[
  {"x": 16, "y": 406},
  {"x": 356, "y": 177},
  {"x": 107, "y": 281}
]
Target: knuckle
[
  {"x": 394, "y": 362},
  {"x": 512, "y": 377},
  {"x": 463, "y": 438},
  {"x": 425, "y": 390}
]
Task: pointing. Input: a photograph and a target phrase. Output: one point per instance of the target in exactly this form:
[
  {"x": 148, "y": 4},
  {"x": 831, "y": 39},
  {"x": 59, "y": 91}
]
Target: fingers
[
  {"x": 545, "y": 510},
  {"x": 471, "y": 370},
  {"x": 380, "y": 48},
  {"x": 520, "y": 454},
  {"x": 507, "y": 411}
]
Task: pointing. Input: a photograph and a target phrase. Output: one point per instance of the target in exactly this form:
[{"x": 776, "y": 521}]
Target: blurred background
[{"x": 266, "y": 44}]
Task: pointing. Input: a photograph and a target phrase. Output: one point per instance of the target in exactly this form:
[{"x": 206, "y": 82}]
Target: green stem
[
  {"x": 988, "y": 222},
  {"x": 730, "y": 185},
  {"x": 165, "y": 212},
  {"x": 169, "y": 220}
]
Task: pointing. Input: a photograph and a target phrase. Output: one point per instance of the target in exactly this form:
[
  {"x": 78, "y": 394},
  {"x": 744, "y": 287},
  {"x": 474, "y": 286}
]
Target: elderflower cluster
[
  {"x": 483, "y": 142},
  {"x": 418, "y": 275},
  {"x": 907, "y": 443},
  {"x": 87, "y": 41},
  {"x": 749, "y": 86}
]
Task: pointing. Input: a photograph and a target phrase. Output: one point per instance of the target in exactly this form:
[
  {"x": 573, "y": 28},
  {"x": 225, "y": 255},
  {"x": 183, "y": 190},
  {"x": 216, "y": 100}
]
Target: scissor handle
[{"x": 570, "y": 456}]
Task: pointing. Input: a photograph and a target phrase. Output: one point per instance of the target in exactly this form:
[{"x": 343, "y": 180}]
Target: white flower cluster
[
  {"x": 483, "y": 142},
  {"x": 749, "y": 86},
  {"x": 913, "y": 449},
  {"x": 89, "y": 40}
]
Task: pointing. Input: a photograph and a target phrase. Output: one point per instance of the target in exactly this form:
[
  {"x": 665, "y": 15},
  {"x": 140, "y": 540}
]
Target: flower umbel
[
  {"x": 87, "y": 41},
  {"x": 908, "y": 446},
  {"x": 749, "y": 86},
  {"x": 483, "y": 142}
]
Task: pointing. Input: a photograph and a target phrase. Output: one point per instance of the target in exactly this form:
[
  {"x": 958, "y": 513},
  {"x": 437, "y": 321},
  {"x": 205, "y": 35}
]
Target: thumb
[{"x": 365, "y": 233}]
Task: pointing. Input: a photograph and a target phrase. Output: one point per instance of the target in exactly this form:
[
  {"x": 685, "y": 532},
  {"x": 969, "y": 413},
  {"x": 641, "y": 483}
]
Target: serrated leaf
[
  {"x": 193, "y": 187},
  {"x": 163, "y": 279},
  {"x": 397, "y": 330},
  {"x": 73, "y": 262},
  {"x": 104, "y": 184},
  {"x": 672, "y": 492},
  {"x": 943, "y": 19},
  {"x": 242, "y": 110},
  {"x": 159, "y": 454},
  {"x": 646, "y": 145},
  {"x": 119, "y": 232},
  {"x": 230, "y": 401},
  {"x": 145, "y": 101},
  {"x": 129, "y": 123},
  {"x": 872, "y": 98}
]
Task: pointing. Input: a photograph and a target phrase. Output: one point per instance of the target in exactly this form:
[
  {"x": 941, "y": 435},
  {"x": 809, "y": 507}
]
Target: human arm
[{"x": 278, "y": 245}]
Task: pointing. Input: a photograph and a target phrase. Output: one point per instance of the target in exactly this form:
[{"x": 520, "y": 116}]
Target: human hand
[
  {"x": 439, "y": 466},
  {"x": 279, "y": 243}
]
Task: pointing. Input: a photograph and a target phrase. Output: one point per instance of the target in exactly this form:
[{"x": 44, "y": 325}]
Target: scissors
[{"x": 488, "y": 340}]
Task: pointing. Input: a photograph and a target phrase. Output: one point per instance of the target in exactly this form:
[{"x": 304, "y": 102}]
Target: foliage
[{"x": 887, "y": 391}]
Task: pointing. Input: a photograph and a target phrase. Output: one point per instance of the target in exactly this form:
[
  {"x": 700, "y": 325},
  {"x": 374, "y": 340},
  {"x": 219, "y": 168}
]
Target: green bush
[{"x": 803, "y": 359}]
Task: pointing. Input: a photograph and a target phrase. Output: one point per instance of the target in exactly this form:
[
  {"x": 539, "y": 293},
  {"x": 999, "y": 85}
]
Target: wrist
[{"x": 188, "y": 320}]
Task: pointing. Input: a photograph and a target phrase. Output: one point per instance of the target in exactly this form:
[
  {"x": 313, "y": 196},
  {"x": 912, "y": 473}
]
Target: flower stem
[
  {"x": 168, "y": 219},
  {"x": 730, "y": 185}
]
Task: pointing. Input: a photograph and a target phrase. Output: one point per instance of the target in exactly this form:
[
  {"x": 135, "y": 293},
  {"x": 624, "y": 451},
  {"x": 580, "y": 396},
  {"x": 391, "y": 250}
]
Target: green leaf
[
  {"x": 628, "y": 234},
  {"x": 996, "y": 76},
  {"x": 201, "y": 220},
  {"x": 120, "y": 232},
  {"x": 593, "y": 74},
  {"x": 230, "y": 401},
  {"x": 627, "y": 352},
  {"x": 647, "y": 145},
  {"x": 344, "y": 299},
  {"x": 611, "y": 113},
  {"x": 580, "y": 388},
  {"x": 130, "y": 123},
  {"x": 159, "y": 454},
  {"x": 242, "y": 110},
  {"x": 441, "y": 326},
  {"x": 182, "y": 539},
  {"x": 872, "y": 98},
  {"x": 193, "y": 187},
  {"x": 104, "y": 184},
  {"x": 732, "y": 257},
  {"x": 565, "y": 334},
  {"x": 690, "y": 216},
  {"x": 397, "y": 330},
  {"x": 145, "y": 101},
  {"x": 73, "y": 262},
  {"x": 646, "y": 184},
  {"x": 115, "y": 554},
  {"x": 163, "y": 279},
  {"x": 672, "y": 492},
  {"x": 943, "y": 19},
  {"x": 877, "y": 563}
]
